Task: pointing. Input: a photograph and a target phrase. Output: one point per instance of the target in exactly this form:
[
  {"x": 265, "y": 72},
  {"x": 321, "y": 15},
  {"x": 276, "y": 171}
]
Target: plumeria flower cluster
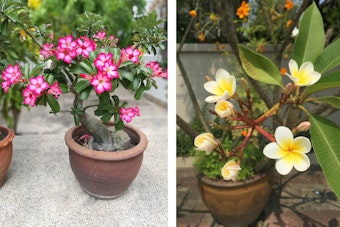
[
  {"x": 289, "y": 152},
  {"x": 34, "y": 87}
]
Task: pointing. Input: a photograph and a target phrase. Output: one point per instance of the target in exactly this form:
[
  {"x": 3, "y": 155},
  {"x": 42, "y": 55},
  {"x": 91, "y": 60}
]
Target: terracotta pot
[
  {"x": 105, "y": 175},
  {"x": 236, "y": 203},
  {"x": 6, "y": 148}
]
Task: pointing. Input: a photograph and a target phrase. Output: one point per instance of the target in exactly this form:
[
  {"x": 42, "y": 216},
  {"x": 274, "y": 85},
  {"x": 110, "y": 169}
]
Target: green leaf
[
  {"x": 53, "y": 103},
  {"x": 13, "y": 16},
  {"x": 82, "y": 84},
  {"x": 139, "y": 93},
  {"x": 329, "y": 58},
  {"x": 126, "y": 74},
  {"x": 259, "y": 67},
  {"x": 311, "y": 39},
  {"x": 85, "y": 93},
  {"x": 326, "y": 145},
  {"x": 331, "y": 80},
  {"x": 331, "y": 100}
]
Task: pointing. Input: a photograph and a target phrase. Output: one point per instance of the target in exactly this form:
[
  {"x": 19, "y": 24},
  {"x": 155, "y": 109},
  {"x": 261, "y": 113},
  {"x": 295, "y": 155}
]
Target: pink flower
[
  {"x": 127, "y": 114},
  {"x": 101, "y": 59},
  {"x": 100, "y": 35},
  {"x": 157, "y": 70},
  {"x": 130, "y": 54},
  {"x": 37, "y": 85},
  {"x": 101, "y": 83},
  {"x": 46, "y": 50},
  {"x": 12, "y": 74},
  {"x": 54, "y": 90},
  {"x": 85, "y": 46},
  {"x": 29, "y": 97},
  {"x": 66, "y": 49},
  {"x": 110, "y": 70}
]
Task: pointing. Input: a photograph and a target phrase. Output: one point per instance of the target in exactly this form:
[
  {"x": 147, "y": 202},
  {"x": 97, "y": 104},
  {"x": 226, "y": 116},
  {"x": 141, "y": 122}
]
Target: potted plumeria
[
  {"x": 244, "y": 139},
  {"x": 94, "y": 63}
]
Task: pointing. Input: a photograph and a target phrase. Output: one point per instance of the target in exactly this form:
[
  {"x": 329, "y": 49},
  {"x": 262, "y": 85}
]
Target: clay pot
[
  {"x": 236, "y": 203},
  {"x": 6, "y": 149},
  {"x": 105, "y": 175}
]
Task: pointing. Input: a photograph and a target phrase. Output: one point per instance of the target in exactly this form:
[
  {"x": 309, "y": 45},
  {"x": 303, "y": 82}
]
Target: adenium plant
[
  {"x": 92, "y": 63},
  {"x": 312, "y": 68}
]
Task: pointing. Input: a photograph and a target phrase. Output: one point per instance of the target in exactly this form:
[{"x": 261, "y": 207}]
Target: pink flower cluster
[
  {"x": 11, "y": 75},
  {"x": 127, "y": 114},
  {"x": 157, "y": 70},
  {"x": 68, "y": 48},
  {"x": 35, "y": 87}
]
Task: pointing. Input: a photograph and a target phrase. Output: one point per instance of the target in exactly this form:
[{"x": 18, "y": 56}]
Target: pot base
[{"x": 103, "y": 196}]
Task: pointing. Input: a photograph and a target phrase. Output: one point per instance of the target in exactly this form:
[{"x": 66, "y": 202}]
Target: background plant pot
[
  {"x": 6, "y": 149},
  {"x": 236, "y": 203},
  {"x": 103, "y": 174}
]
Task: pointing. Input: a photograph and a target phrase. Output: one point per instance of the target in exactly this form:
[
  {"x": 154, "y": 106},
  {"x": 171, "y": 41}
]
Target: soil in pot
[
  {"x": 105, "y": 175},
  {"x": 236, "y": 204}
]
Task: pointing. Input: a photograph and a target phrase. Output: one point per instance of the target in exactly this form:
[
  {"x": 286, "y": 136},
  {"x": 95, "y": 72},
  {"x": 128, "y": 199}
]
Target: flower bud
[
  {"x": 244, "y": 84},
  {"x": 303, "y": 126},
  {"x": 289, "y": 88}
]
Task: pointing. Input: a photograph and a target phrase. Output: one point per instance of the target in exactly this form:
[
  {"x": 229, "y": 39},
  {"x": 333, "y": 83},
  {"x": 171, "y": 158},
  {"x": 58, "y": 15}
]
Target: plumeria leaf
[
  {"x": 331, "y": 80},
  {"x": 331, "y": 100},
  {"x": 53, "y": 103},
  {"x": 326, "y": 145},
  {"x": 311, "y": 38},
  {"x": 329, "y": 58},
  {"x": 259, "y": 67}
]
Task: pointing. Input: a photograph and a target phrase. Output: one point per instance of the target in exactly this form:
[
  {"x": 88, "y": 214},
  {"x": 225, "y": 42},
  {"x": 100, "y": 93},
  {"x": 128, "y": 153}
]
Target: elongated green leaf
[
  {"x": 331, "y": 80},
  {"x": 329, "y": 58},
  {"x": 331, "y": 100},
  {"x": 126, "y": 74},
  {"x": 53, "y": 103},
  {"x": 310, "y": 41},
  {"x": 82, "y": 84},
  {"x": 326, "y": 145},
  {"x": 259, "y": 67}
]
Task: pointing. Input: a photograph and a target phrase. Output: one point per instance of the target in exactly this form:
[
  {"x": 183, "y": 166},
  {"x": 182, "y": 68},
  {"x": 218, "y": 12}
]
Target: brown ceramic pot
[
  {"x": 236, "y": 203},
  {"x": 105, "y": 175},
  {"x": 6, "y": 148}
]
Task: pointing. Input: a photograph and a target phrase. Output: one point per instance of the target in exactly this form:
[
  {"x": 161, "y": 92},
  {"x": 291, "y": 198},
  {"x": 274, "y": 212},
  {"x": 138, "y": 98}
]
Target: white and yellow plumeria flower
[
  {"x": 304, "y": 76},
  {"x": 224, "y": 108},
  {"x": 288, "y": 151},
  {"x": 223, "y": 88},
  {"x": 230, "y": 170},
  {"x": 205, "y": 142}
]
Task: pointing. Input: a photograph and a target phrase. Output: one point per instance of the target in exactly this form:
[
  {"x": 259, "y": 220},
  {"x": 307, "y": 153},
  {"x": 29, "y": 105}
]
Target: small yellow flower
[
  {"x": 193, "y": 13},
  {"x": 304, "y": 76},
  {"x": 243, "y": 10},
  {"x": 289, "y": 4},
  {"x": 213, "y": 17},
  {"x": 283, "y": 71},
  {"x": 230, "y": 170},
  {"x": 200, "y": 36},
  {"x": 223, "y": 88},
  {"x": 224, "y": 108},
  {"x": 205, "y": 142},
  {"x": 288, "y": 151},
  {"x": 289, "y": 23},
  {"x": 34, "y": 4}
]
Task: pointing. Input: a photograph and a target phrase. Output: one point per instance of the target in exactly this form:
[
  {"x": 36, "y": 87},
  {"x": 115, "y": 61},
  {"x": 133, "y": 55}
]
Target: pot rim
[
  {"x": 220, "y": 183},
  {"x": 9, "y": 137},
  {"x": 104, "y": 155}
]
